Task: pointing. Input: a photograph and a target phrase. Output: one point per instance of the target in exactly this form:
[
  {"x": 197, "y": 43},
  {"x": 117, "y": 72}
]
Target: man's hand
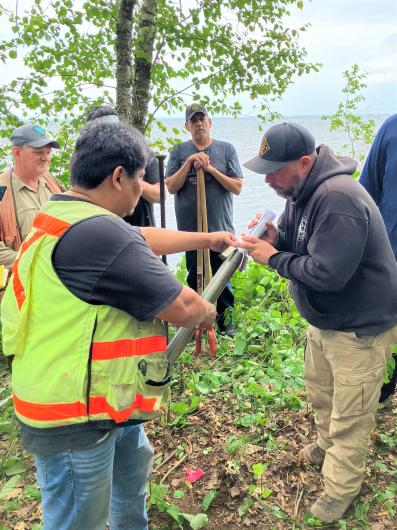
[
  {"x": 209, "y": 319},
  {"x": 271, "y": 234},
  {"x": 220, "y": 241},
  {"x": 259, "y": 250},
  {"x": 199, "y": 160},
  {"x": 209, "y": 168},
  {"x": 232, "y": 184},
  {"x": 151, "y": 192},
  {"x": 177, "y": 180}
]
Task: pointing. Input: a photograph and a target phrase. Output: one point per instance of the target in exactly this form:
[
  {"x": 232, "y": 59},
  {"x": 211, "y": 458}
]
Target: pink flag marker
[{"x": 193, "y": 475}]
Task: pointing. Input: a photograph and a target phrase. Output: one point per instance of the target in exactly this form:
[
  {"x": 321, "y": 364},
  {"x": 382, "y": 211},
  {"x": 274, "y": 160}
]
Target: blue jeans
[{"x": 84, "y": 489}]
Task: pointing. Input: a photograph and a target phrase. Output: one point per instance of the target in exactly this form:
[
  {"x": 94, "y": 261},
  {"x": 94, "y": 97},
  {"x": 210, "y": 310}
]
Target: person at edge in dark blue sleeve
[{"x": 379, "y": 178}]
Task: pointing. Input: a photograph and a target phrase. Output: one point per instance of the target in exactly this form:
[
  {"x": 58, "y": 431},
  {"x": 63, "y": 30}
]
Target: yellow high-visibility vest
[{"x": 75, "y": 362}]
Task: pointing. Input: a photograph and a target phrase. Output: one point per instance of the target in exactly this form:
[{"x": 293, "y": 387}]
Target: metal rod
[
  {"x": 161, "y": 159},
  {"x": 211, "y": 294}
]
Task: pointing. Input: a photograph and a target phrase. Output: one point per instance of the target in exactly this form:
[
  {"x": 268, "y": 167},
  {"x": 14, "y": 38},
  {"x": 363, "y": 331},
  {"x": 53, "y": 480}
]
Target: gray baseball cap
[
  {"x": 34, "y": 136},
  {"x": 281, "y": 144}
]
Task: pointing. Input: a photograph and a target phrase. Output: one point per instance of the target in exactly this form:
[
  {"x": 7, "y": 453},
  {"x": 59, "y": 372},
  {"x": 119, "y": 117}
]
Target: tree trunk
[
  {"x": 143, "y": 64},
  {"x": 124, "y": 58}
]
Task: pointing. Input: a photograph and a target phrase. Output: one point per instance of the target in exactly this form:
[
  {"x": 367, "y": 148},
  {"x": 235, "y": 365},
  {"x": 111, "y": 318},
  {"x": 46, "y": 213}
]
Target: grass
[{"x": 240, "y": 417}]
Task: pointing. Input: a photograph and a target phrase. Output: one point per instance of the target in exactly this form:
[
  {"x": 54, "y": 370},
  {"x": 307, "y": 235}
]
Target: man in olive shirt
[{"x": 25, "y": 188}]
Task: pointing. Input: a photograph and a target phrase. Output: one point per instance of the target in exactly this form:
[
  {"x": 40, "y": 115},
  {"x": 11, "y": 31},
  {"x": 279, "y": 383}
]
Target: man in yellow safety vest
[{"x": 82, "y": 316}]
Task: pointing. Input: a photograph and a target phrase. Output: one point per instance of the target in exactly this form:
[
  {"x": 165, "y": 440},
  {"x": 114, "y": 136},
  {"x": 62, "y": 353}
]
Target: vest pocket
[
  {"x": 154, "y": 382},
  {"x": 133, "y": 388}
]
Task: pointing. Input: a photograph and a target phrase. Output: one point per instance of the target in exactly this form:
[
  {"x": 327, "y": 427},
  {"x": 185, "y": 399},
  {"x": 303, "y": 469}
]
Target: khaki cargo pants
[{"x": 344, "y": 375}]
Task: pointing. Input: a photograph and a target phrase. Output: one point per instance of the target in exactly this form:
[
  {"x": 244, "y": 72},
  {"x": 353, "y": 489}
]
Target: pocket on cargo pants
[{"x": 357, "y": 392}]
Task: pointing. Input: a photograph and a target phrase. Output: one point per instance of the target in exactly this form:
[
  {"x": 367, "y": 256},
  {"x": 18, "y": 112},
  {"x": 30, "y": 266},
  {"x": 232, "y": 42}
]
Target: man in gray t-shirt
[{"x": 223, "y": 178}]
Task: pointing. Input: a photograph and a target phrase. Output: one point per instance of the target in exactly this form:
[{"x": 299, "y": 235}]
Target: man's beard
[
  {"x": 201, "y": 136},
  {"x": 290, "y": 192},
  {"x": 284, "y": 194}
]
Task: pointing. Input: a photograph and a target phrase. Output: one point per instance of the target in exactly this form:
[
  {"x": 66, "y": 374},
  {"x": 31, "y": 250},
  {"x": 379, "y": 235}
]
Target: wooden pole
[
  {"x": 203, "y": 204},
  {"x": 200, "y": 254}
]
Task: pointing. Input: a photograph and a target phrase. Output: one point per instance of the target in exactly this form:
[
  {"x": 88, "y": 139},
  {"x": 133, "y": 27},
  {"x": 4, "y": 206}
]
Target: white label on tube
[{"x": 260, "y": 228}]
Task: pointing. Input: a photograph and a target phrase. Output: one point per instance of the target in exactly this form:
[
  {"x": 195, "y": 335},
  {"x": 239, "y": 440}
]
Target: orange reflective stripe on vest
[
  {"x": 99, "y": 348},
  {"x": 44, "y": 225},
  {"x": 104, "y": 351},
  {"x": 98, "y": 405},
  {"x": 50, "y": 225}
]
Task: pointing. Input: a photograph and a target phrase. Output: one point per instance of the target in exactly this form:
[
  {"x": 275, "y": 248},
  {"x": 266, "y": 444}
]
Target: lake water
[{"x": 256, "y": 196}]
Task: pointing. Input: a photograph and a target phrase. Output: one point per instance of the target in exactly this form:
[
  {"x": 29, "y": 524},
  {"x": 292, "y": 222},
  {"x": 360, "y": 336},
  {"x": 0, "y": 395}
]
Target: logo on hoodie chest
[{"x": 302, "y": 230}]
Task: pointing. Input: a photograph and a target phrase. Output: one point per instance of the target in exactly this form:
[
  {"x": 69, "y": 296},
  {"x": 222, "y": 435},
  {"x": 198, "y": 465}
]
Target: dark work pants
[{"x": 226, "y": 298}]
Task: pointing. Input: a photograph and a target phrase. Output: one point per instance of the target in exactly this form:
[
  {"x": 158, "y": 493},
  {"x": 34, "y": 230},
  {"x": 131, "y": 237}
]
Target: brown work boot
[
  {"x": 328, "y": 509},
  {"x": 312, "y": 454}
]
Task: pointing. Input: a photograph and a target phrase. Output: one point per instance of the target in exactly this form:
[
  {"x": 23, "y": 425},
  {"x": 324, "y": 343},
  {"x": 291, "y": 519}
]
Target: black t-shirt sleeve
[
  {"x": 152, "y": 171},
  {"x": 105, "y": 261}
]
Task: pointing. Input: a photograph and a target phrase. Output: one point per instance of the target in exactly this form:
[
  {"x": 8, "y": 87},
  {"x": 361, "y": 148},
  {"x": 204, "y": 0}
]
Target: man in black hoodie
[{"x": 331, "y": 243}]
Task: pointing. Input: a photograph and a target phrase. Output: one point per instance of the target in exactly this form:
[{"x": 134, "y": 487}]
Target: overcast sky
[{"x": 342, "y": 32}]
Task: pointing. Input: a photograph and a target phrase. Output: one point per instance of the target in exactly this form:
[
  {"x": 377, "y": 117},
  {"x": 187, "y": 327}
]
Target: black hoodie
[{"x": 334, "y": 248}]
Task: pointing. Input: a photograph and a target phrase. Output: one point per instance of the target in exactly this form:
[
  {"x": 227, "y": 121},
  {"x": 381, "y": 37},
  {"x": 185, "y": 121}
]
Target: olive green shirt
[{"x": 27, "y": 203}]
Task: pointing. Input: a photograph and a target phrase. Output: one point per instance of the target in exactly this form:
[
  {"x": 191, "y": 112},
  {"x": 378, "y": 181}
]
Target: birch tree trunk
[
  {"x": 142, "y": 74},
  {"x": 124, "y": 29}
]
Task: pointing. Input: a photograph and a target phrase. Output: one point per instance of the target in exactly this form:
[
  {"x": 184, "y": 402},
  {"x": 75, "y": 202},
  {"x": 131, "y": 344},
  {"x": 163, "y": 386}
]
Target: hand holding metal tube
[
  {"x": 214, "y": 289},
  {"x": 258, "y": 249},
  {"x": 261, "y": 225},
  {"x": 258, "y": 226},
  {"x": 259, "y": 241},
  {"x": 210, "y": 317}
]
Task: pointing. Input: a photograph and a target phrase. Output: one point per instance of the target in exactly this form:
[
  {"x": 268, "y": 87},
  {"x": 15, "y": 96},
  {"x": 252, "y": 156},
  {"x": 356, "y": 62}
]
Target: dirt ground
[
  {"x": 279, "y": 498},
  {"x": 294, "y": 486}
]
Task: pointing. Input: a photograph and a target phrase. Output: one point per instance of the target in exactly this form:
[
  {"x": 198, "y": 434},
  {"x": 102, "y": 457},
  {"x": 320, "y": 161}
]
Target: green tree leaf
[
  {"x": 178, "y": 494},
  {"x": 196, "y": 521},
  {"x": 13, "y": 466},
  {"x": 208, "y": 499},
  {"x": 9, "y": 486},
  {"x": 148, "y": 57}
]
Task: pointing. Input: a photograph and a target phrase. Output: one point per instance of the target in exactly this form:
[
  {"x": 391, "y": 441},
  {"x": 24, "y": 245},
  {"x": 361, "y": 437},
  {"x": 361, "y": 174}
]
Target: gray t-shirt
[{"x": 223, "y": 156}]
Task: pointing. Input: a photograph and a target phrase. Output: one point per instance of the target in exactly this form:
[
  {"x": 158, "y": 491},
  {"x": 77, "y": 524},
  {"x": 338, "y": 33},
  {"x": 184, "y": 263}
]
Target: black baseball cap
[
  {"x": 103, "y": 113},
  {"x": 193, "y": 109},
  {"x": 34, "y": 136},
  {"x": 281, "y": 144}
]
